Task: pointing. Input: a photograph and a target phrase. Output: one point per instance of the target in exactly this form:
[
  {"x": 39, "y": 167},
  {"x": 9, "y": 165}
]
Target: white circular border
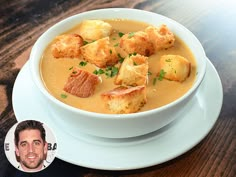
[{"x": 9, "y": 145}]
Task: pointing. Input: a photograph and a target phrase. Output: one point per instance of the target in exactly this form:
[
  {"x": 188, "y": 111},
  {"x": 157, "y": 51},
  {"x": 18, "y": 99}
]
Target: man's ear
[
  {"x": 17, "y": 151},
  {"x": 17, "y": 154},
  {"x": 45, "y": 148}
]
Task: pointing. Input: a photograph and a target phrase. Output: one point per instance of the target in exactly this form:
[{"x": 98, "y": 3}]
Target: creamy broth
[{"x": 55, "y": 72}]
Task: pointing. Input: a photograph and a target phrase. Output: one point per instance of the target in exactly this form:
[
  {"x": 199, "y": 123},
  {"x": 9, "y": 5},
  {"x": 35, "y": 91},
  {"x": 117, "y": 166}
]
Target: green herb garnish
[
  {"x": 161, "y": 75},
  {"x": 99, "y": 71},
  {"x": 83, "y": 63},
  {"x": 131, "y": 34},
  {"x": 132, "y": 54},
  {"x": 149, "y": 73},
  {"x": 95, "y": 72},
  {"x": 121, "y": 34},
  {"x": 71, "y": 67},
  {"x": 121, "y": 59},
  {"x": 116, "y": 45},
  {"x": 63, "y": 96},
  {"x": 154, "y": 81},
  {"x": 111, "y": 71},
  {"x": 85, "y": 42}
]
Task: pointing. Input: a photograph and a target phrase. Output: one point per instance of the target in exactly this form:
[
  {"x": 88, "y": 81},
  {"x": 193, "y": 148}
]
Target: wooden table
[{"x": 213, "y": 23}]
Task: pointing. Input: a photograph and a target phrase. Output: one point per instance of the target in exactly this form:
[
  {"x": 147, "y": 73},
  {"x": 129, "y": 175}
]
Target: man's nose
[{"x": 31, "y": 148}]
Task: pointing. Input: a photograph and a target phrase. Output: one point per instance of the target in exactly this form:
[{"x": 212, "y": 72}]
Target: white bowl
[{"x": 124, "y": 125}]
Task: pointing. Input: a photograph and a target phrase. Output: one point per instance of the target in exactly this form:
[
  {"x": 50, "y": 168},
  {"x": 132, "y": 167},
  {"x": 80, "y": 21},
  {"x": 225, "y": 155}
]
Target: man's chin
[{"x": 32, "y": 165}]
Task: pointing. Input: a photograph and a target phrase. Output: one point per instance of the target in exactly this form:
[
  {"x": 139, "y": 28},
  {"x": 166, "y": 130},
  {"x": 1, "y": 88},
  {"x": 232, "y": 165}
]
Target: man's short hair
[{"x": 29, "y": 125}]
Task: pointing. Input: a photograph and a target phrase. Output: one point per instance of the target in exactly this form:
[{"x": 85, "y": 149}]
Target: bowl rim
[{"x": 39, "y": 83}]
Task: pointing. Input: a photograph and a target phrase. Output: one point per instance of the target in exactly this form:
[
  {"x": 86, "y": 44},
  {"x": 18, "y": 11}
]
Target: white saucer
[{"x": 131, "y": 153}]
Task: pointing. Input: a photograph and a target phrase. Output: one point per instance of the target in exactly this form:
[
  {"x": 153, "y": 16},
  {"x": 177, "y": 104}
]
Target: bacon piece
[{"x": 81, "y": 83}]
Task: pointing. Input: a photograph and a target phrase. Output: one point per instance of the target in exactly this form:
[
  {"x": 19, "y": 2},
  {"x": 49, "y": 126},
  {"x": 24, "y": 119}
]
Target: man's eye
[
  {"x": 23, "y": 145},
  {"x": 37, "y": 143}
]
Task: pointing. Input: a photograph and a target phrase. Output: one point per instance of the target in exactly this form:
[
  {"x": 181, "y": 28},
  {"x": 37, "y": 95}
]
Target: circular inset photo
[{"x": 30, "y": 146}]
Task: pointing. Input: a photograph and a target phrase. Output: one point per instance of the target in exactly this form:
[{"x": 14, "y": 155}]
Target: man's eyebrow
[
  {"x": 22, "y": 142},
  {"x": 39, "y": 141}
]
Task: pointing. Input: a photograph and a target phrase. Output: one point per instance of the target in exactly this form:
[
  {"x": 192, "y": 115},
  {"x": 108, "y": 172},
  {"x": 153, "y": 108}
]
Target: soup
[{"x": 159, "y": 92}]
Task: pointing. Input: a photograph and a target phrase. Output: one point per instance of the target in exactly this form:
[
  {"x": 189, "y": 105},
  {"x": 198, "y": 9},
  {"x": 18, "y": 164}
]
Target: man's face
[{"x": 31, "y": 150}]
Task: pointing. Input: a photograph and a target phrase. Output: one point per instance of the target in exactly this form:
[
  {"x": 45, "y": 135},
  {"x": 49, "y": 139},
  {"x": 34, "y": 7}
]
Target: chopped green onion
[
  {"x": 109, "y": 68},
  {"x": 131, "y": 34},
  {"x": 161, "y": 75},
  {"x": 121, "y": 34},
  {"x": 99, "y": 71},
  {"x": 111, "y": 71},
  {"x": 154, "y": 81},
  {"x": 86, "y": 42},
  {"x": 83, "y": 63},
  {"x": 116, "y": 45},
  {"x": 132, "y": 54},
  {"x": 121, "y": 59},
  {"x": 63, "y": 96}
]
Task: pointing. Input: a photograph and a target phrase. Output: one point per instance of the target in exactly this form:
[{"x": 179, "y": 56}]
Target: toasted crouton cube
[
  {"x": 137, "y": 42},
  {"x": 133, "y": 71},
  {"x": 123, "y": 100},
  {"x": 81, "y": 83},
  {"x": 101, "y": 53},
  {"x": 162, "y": 37},
  {"x": 67, "y": 45},
  {"x": 176, "y": 68},
  {"x": 92, "y": 30}
]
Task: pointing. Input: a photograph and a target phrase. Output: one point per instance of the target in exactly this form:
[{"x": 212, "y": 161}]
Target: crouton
[
  {"x": 67, "y": 45},
  {"x": 176, "y": 68},
  {"x": 92, "y": 30},
  {"x": 81, "y": 83},
  {"x": 162, "y": 37},
  {"x": 101, "y": 53},
  {"x": 137, "y": 42},
  {"x": 133, "y": 71},
  {"x": 124, "y": 100}
]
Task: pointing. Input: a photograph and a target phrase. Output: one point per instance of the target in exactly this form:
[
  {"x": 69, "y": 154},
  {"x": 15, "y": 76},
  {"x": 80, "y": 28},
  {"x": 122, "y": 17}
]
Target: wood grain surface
[{"x": 213, "y": 23}]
